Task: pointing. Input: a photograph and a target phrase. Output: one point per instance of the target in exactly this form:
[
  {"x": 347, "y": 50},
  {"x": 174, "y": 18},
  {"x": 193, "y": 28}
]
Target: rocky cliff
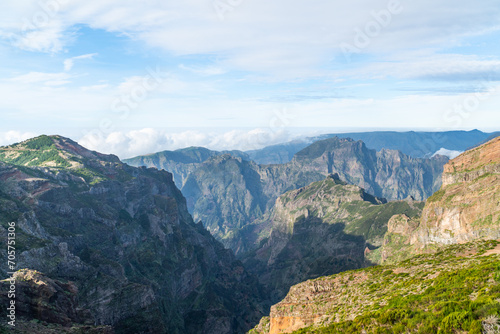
[
  {"x": 229, "y": 193},
  {"x": 181, "y": 163},
  {"x": 324, "y": 228},
  {"x": 122, "y": 236},
  {"x": 467, "y": 206},
  {"x": 454, "y": 291}
]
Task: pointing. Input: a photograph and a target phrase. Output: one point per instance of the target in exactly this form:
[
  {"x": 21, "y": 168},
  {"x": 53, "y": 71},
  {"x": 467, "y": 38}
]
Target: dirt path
[{"x": 495, "y": 250}]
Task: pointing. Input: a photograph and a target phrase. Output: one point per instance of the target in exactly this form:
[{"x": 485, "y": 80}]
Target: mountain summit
[{"x": 116, "y": 246}]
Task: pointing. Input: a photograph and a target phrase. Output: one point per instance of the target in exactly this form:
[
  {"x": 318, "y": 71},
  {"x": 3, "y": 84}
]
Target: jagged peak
[{"x": 321, "y": 147}]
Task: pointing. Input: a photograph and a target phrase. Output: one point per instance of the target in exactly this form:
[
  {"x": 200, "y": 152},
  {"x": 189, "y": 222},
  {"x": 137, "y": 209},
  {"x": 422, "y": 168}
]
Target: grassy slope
[{"x": 454, "y": 291}]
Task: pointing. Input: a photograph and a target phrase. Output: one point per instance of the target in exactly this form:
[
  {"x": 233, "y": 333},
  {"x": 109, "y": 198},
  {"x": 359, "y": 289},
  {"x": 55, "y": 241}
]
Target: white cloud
[
  {"x": 139, "y": 142},
  {"x": 70, "y": 62},
  {"x": 424, "y": 64},
  {"x": 449, "y": 153},
  {"x": 272, "y": 37},
  {"x": 48, "y": 79},
  {"x": 204, "y": 71},
  {"x": 11, "y": 137}
]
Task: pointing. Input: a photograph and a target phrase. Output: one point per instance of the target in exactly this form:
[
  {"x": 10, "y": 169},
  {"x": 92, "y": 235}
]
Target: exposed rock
[
  {"x": 321, "y": 229},
  {"x": 467, "y": 207},
  {"x": 124, "y": 236},
  {"x": 230, "y": 194},
  {"x": 393, "y": 298}
]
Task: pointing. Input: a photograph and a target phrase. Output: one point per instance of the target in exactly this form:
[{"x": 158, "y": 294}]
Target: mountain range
[
  {"x": 119, "y": 244},
  {"x": 341, "y": 239},
  {"x": 441, "y": 272},
  {"x": 228, "y": 192}
]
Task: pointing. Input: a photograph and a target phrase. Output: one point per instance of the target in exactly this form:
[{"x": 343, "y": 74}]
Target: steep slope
[
  {"x": 125, "y": 239},
  {"x": 454, "y": 291},
  {"x": 323, "y": 228},
  {"x": 228, "y": 193},
  {"x": 180, "y": 162},
  {"x": 225, "y": 193},
  {"x": 467, "y": 206},
  {"x": 387, "y": 173},
  {"x": 280, "y": 153},
  {"x": 413, "y": 143}
]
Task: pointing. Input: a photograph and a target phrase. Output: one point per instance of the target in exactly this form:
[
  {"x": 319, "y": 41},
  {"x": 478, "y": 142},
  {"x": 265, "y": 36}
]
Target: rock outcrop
[
  {"x": 321, "y": 229},
  {"x": 229, "y": 193},
  {"x": 467, "y": 207},
  {"x": 125, "y": 239},
  {"x": 411, "y": 296}
]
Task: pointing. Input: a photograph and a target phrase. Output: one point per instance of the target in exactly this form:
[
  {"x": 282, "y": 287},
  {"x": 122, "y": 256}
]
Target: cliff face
[
  {"x": 425, "y": 294},
  {"x": 324, "y": 228},
  {"x": 467, "y": 206},
  {"x": 228, "y": 193},
  {"x": 125, "y": 239}
]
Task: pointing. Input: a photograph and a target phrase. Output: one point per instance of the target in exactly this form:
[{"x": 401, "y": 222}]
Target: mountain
[
  {"x": 280, "y": 153},
  {"x": 449, "y": 277},
  {"x": 411, "y": 143},
  {"x": 321, "y": 229},
  {"x": 456, "y": 290},
  {"x": 180, "y": 162},
  {"x": 228, "y": 193},
  {"x": 114, "y": 245},
  {"x": 467, "y": 207}
]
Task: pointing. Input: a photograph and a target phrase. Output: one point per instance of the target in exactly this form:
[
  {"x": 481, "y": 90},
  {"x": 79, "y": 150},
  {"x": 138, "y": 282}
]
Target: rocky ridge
[
  {"x": 455, "y": 290},
  {"x": 324, "y": 228},
  {"x": 466, "y": 208},
  {"x": 228, "y": 193},
  {"x": 123, "y": 236}
]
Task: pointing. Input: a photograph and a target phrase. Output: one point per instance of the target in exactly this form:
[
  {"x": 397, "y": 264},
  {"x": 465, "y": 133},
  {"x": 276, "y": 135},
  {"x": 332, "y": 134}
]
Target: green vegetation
[
  {"x": 41, "y": 142},
  {"x": 90, "y": 176},
  {"x": 40, "y": 151},
  {"x": 437, "y": 196},
  {"x": 442, "y": 293}
]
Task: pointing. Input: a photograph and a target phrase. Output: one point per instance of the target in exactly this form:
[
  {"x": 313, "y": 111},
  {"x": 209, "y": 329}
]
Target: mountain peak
[
  {"x": 485, "y": 154},
  {"x": 50, "y": 151}
]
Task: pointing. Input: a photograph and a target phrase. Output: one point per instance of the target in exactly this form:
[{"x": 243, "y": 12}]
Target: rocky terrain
[
  {"x": 466, "y": 208},
  {"x": 114, "y": 245},
  {"x": 416, "y": 144},
  {"x": 229, "y": 193},
  {"x": 445, "y": 289},
  {"x": 180, "y": 162},
  {"x": 454, "y": 291},
  {"x": 321, "y": 229}
]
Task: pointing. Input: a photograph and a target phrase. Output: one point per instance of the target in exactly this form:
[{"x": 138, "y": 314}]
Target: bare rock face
[
  {"x": 467, "y": 207},
  {"x": 324, "y": 228},
  {"x": 230, "y": 194},
  {"x": 125, "y": 239}
]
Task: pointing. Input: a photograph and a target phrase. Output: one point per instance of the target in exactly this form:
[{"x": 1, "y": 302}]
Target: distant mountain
[
  {"x": 280, "y": 153},
  {"x": 321, "y": 229},
  {"x": 465, "y": 208},
  {"x": 453, "y": 291},
  {"x": 180, "y": 162},
  {"x": 228, "y": 193},
  {"x": 104, "y": 243},
  {"x": 441, "y": 271},
  {"x": 414, "y": 144}
]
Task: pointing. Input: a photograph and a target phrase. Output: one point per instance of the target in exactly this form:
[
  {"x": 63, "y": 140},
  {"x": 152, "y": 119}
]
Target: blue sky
[{"x": 133, "y": 77}]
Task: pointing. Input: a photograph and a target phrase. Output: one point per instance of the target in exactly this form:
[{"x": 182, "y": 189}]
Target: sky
[{"x": 135, "y": 77}]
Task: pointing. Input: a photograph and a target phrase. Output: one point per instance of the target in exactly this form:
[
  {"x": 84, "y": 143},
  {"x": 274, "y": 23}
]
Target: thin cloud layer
[
  {"x": 110, "y": 66},
  {"x": 144, "y": 141}
]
